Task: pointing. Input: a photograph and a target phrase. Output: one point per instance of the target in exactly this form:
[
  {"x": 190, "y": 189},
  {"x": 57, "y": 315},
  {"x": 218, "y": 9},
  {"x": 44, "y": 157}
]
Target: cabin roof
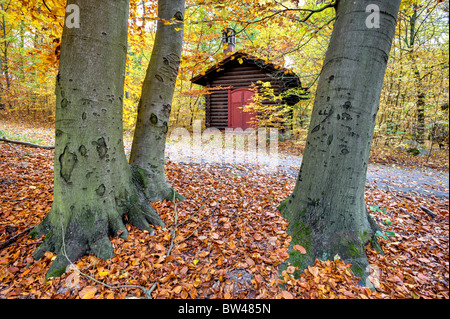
[{"x": 287, "y": 77}]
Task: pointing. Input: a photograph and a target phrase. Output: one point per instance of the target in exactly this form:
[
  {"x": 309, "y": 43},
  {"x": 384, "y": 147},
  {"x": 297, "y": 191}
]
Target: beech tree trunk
[
  {"x": 327, "y": 211},
  {"x": 149, "y": 142},
  {"x": 95, "y": 191}
]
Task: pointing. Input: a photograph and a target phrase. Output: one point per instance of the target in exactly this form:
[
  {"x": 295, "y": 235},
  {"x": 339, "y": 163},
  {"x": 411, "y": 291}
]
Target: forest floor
[{"x": 229, "y": 238}]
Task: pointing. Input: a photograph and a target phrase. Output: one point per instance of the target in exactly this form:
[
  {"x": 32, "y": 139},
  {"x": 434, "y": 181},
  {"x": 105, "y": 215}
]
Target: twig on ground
[
  {"x": 194, "y": 214},
  {"x": 146, "y": 291},
  {"x": 196, "y": 230},
  {"x": 9, "y": 241},
  {"x": 174, "y": 228},
  {"x": 410, "y": 215},
  {"x": 428, "y": 211},
  {"x": 425, "y": 209},
  {"x": 4, "y": 139},
  {"x": 390, "y": 191}
]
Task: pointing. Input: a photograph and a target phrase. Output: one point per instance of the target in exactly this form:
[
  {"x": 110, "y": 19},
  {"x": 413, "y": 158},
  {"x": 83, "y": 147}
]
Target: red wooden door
[{"x": 236, "y": 115}]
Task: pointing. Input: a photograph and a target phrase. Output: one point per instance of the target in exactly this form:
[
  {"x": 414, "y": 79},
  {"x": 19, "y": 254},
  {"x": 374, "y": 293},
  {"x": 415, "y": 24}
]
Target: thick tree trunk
[
  {"x": 327, "y": 210},
  {"x": 149, "y": 142},
  {"x": 94, "y": 187}
]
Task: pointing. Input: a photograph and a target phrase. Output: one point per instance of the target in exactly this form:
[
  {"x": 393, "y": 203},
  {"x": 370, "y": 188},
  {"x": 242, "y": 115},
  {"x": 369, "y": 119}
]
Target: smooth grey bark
[
  {"x": 95, "y": 192},
  {"x": 149, "y": 142},
  {"x": 327, "y": 211}
]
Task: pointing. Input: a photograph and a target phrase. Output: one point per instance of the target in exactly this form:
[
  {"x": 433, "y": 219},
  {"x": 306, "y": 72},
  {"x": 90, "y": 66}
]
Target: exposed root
[
  {"x": 76, "y": 229},
  {"x": 153, "y": 185}
]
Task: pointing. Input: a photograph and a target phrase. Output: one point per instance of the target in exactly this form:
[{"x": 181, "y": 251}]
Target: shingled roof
[{"x": 285, "y": 76}]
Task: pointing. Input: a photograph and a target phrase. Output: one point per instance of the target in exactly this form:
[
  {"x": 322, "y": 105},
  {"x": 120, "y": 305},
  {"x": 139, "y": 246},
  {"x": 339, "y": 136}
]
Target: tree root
[
  {"x": 154, "y": 185},
  {"x": 76, "y": 229}
]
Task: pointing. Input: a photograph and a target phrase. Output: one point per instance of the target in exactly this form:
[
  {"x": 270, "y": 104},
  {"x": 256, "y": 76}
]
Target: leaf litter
[{"x": 227, "y": 242}]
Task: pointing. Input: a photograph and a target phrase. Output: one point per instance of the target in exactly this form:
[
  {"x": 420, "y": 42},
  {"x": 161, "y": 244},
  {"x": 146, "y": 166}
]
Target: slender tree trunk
[
  {"x": 5, "y": 67},
  {"x": 420, "y": 102},
  {"x": 149, "y": 142},
  {"x": 327, "y": 211},
  {"x": 94, "y": 187},
  {"x": 420, "y": 94}
]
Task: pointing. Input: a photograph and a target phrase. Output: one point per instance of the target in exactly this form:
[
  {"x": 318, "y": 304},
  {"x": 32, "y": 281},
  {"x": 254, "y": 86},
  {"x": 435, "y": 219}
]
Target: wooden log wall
[{"x": 238, "y": 76}]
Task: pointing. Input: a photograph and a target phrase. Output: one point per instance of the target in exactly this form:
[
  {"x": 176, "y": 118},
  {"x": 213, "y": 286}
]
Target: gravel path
[{"x": 425, "y": 182}]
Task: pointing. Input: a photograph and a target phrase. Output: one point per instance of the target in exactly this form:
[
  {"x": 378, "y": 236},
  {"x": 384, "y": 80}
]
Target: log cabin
[{"x": 229, "y": 84}]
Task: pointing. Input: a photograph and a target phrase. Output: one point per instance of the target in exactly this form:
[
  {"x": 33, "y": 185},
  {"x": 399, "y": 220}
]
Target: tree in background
[{"x": 414, "y": 95}]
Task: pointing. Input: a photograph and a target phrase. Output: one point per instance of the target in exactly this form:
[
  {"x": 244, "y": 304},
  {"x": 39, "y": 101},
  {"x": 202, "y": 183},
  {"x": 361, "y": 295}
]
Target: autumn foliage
[{"x": 225, "y": 240}]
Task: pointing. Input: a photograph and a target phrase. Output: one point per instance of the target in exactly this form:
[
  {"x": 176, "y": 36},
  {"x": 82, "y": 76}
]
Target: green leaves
[
  {"x": 387, "y": 222},
  {"x": 390, "y": 233},
  {"x": 385, "y": 234},
  {"x": 380, "y": 234},
  {"x": 377, "y": 209}
]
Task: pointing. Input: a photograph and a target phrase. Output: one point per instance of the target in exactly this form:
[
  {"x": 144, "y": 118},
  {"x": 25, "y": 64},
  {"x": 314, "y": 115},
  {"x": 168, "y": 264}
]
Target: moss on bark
[
  {"x": 328, "y": 198},
  {"x": 86, "y": 228}
]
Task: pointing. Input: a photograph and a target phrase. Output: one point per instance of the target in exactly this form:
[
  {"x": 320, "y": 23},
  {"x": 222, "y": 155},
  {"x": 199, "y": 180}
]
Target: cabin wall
[{"x": 237, "y": 76}]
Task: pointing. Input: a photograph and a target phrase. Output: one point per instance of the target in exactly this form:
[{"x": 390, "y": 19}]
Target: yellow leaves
[
  {"x": 197, "y": 282},
  {"x": 87, "y": 292},
  {"x": 408, "y": 3}
]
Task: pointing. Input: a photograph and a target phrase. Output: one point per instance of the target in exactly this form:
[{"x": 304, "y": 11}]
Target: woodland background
[{"x": 414, "y": 102}]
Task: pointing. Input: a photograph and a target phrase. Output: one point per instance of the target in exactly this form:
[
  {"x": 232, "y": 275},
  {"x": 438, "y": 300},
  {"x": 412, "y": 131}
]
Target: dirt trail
[{"x": 425, "y": 182}]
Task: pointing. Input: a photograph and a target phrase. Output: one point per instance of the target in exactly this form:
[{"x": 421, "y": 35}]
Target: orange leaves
[
  {"x": 73, "y": 280},
  {"x": 300, "y": 249},
  {"x": 286, "y": 295},
  {"x": 324, "y": 280},
  {"x": 229, "y": 247},
  {"x": 409, "y": 268}
]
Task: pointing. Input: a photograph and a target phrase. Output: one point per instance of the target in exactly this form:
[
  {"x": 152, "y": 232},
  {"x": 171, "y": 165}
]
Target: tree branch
[
  {"x": 287, "y": 9},
  {"x": 4, "y": 139}
]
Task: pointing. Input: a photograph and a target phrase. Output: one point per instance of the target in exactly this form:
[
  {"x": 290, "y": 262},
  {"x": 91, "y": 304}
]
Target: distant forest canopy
[{"x": 414, "y": 101}]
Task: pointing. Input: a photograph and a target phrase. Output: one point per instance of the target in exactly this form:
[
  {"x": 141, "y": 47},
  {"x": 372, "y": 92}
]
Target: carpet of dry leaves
[{"x": 225, "y": 240}]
